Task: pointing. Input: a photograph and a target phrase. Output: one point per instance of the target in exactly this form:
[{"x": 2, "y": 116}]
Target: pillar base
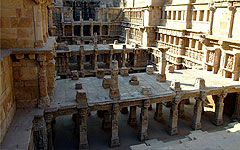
[
  {"x": 218, "y": 122},
  {"x": 114, "y": 142},
  {"x": 44, "y": 102},
  {"x": 83, "y": 146},
  {"x": 124, "y": 110},
  {"x": 143, "y": 136},
  {"x": 197, "y": 126},
  {"x": 172, "y": 131}
]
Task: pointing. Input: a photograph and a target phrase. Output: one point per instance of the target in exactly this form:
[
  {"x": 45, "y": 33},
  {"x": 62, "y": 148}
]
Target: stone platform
[{"x": 65, "y": 93}]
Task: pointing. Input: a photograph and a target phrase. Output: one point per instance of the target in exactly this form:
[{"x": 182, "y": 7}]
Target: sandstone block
[
  {"x": 106, "y": 82},
  {"x": 146, "y": 90},
  {"x": 134, "y": 80},
  {"x": 161, "y": 78},
  {"x": 170, "y": 68},
  {"x": 100, "y": 73},
  {"x": 78, "y": 86},
  {"x": 150, "y": 69},
  {"x": 124, "y": 71},
  {"x": 81, "y": 97},
  {"x": 75, "y": 75}
]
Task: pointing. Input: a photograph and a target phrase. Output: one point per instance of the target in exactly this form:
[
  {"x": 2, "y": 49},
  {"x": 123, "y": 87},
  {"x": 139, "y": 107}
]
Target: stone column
[
  {"x": 173, "y": 117},
  {"x": 95, "y": 60},
  {"x": 44, "y": 100},
  {"x": 212, "y": 10},
  {"x": 219, "y": 102},
  {"x": 127, "y": 30},
  {"x": 143, "y": 129},
  {"x": 114, "y": 141},
  {"x": 40, "y": 133},
  {"x": 100, "y": 29},
  {"x": 38, "y": 26},
  {"x": 91, "y": 29},
  {"x": 110, "y": 56},
  {"x": 181, "y": 109},
  {"x": 81, "y": 30},
  {"x": 114, "y": 92},
  {"x": 83, "y": 141},
  {"x": 196, "y": 122},
  {"x": 123, "y": 56},
  {"x": 162, "y": 65},
  {"x": 158, "y": 114},
  {"x": 72, "y": 30},
  {"x": 63, "y": 30},
  {"x": 236, "y": 114},
  {"x": 81, "y": 63},
  {"x": 106, "y": 120},
  {"x": 49, "y": 123},
  {"x": 135, "y": 58},
  {"x": 233, "y": 11},
  {"x": 132, "y": 120}
]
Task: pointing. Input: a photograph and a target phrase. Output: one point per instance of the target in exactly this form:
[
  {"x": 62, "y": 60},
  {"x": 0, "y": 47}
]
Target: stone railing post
[
  {"x": 219, "y": 103},
  {"x": 143, "y": 130},
  {"x": 83, "y": 140},
  {"x": 40, "y": 133},
  {"x": 114, "y": 92},
  {"x": 162, "y": 65},
  {"x": 49, "y": 119},
  {"x": 114, "y": 141},
  {"x": 173, "y": 117},
  {"x": 196, "y": 122},
  {"x": 44, "y": 100}
]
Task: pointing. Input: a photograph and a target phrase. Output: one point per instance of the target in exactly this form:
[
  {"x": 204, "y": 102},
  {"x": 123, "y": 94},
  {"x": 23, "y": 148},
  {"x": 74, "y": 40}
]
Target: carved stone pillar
[
  {"x": 236, "y": 114},
  {"x": 196, "y": 122},
  {"x": 181, "y": 109},
  {"x": 81, "y": 30},
  {"x": 135, "y": 58},
  {"x": 44, "y": 100},
  {"x": 49, "y": 124},
  {"x": 72, "y": 30},
  {"x": 63, "y": 30},
  {"x": 101, "y": 30},
  {"x": 110, "y": 56},
  {"x": 233, "y": 11},
  {"x": 132, "y": 120},
  {"x": 106, "y": 120},
  {"x": 95, "y": 60},
  {"x": 40, "y": 133},
  {"x": 114, "y": 92},
  {"x": 127, "y": 30},
  {"x": 143, "y": 129},
  {"x": 173, "y": 117},
  {"x": 212, "y": 10},
  {"x": 81, "y": 62},
  {"x": 83, "y": 141},
  {"x": 123, "y": 56},
  {"x": 219, "y": 102},
  {"x": 38, "y": 28},
  {"x": 158, "y": 114},
  {"x": 162, "y": 65},
  {"x": 114, "y": 141}
]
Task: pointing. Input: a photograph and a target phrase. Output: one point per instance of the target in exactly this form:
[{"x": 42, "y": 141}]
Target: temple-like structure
[{"x": 73, "y": 57}]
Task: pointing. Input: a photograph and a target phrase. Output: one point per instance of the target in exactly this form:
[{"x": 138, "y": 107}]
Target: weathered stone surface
[
  {"x": 150, "y": 69},
  {"x": 81, "y": 97},
  {"x": 106, "y": 82},
  {"x": 100, "y": 73}
]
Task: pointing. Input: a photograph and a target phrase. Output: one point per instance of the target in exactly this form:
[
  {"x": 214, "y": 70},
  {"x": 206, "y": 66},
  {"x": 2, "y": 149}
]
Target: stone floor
[
  {"x": 219, "y": 140},
  {"x": 65, "y": 137},
  {"x": 65, "y": 93}
]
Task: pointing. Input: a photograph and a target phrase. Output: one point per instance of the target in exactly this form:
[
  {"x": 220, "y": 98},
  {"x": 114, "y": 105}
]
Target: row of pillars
[
  {"x": 110, "y": 118},
  {"x": 91, "y": 30}
]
